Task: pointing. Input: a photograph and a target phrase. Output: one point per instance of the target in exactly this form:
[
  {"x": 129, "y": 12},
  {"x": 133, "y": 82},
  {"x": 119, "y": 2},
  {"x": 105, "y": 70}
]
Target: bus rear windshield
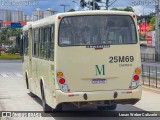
[{"x": 97, "y": 30}]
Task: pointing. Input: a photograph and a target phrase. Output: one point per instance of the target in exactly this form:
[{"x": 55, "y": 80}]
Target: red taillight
[
  {"x": 136, "y": 77},
  {"x": 59, "y": 17},
  {"x": 62, "y": 81},
  {"x": 134, "y": 16}
]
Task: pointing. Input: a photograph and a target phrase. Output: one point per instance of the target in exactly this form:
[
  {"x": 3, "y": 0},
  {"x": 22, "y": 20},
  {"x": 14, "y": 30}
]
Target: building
[
  {"x": 5, "y": 15},
  {"x": 26, "y": 18},
  {"x": 17, "y": 16},
  {"x": 39, "y": 14},
  {"x": 11, "y": 15},
  {"x": 48, "y": 12}
]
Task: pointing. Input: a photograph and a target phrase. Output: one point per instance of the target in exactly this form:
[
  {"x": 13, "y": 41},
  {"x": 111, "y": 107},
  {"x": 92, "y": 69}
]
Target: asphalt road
[
  {"x": 15, "y": 97},
  {"x": 9, "y": 66}
]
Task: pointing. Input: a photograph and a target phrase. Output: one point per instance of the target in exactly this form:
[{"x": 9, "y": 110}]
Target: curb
[{"x": 156, "y": 90}]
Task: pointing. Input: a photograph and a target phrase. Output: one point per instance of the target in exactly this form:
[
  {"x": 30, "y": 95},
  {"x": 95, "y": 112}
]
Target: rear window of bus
[{"x": 97, "y": 30}]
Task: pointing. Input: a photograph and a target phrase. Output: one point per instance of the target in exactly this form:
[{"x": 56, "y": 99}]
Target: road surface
[{"x": 15, "y": 97}]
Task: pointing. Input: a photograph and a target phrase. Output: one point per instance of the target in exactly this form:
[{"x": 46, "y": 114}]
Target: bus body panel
[
  {"x": 128, "y": 95},
  {"x": 82, "y": 65}
]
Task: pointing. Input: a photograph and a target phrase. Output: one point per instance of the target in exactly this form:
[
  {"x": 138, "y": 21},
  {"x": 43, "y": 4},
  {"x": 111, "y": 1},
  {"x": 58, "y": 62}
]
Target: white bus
[{"x": 84, "y": 58}]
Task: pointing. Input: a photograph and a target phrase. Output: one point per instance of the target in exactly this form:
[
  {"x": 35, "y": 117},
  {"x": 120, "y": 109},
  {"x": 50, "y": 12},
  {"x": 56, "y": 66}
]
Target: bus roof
[
  {"x": 27, "y": 26},
  {"x": 51, "y": 19}
]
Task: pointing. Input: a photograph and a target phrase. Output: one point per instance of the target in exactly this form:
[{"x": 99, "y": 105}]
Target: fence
[
  {"x": 151, "y": 76},
  {"x": 146, "y": 57}
]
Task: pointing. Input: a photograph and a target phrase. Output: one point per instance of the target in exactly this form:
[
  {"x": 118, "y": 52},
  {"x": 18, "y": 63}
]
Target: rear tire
[
  {"x": 46, "y": 108},
  {"x": 112, "y": 107},
  {"x": 27, "y": 83},
  {"x": 32, "y": 94},
  {"x": 58, "y": 108},
  {"x": 101, "y": 107}
]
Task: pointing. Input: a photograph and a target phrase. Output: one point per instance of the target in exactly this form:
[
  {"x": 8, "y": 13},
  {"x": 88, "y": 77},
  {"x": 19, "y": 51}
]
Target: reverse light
[
  {"x": 138, "y": 71},
  {"x": 59, "y": 74},
  {"x": 136, "y": 77},
  {"x": 65, "y": 87},
  {"x": 62, "y": 81}
]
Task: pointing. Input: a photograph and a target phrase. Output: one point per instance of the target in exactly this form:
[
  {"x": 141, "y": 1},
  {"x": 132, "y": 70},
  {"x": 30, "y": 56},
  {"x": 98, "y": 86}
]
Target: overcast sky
[{"x": 55, "y": 5}]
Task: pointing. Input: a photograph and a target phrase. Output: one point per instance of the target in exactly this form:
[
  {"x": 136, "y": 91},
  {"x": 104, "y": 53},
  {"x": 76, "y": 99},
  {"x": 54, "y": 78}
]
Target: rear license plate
[{"x": 99, "y": 81}]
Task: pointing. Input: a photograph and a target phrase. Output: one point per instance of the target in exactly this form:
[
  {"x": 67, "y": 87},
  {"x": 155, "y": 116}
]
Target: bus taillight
[
  {"x": 135, "y": 77},
  {"x": 62, "y": 81}
]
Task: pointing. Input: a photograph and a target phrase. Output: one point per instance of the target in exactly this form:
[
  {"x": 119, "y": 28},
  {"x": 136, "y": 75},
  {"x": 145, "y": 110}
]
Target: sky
[{"x": 140, "y": 8}]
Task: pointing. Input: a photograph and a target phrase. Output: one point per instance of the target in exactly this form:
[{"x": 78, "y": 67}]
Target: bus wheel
[
  {"x": 58, "y": 108},
  {"x": 112, "y": 107},
  {"x": 27, "y": 84},
  {"x": 46, "y": 108},
  {"x": 32, "y": 95},
  {"x": 101, "y": 107}
]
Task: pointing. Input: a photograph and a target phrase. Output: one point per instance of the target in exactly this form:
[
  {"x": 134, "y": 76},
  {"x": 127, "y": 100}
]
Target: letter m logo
[{"x": 100, "y": 71}]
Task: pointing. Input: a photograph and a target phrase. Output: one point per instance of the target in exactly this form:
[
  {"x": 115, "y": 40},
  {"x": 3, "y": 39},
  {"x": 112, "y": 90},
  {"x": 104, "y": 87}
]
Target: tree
[
  {"x": 6, "y": 33},
  {"x": 128, "y": 8},
  {"x": 84, "y": 4},
  {"x": 114, "y": 9},
  {"x": 153, "y": 23},
  {"x": 71, "y": 10}
]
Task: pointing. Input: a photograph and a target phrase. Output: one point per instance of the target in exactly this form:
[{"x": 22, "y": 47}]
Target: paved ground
[
  {"x": 14, "y": 66},
  {"x": 15, "y": 97}
]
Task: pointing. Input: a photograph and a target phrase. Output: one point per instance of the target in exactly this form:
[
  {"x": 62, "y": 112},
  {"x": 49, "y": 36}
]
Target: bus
[{"x": 83, "y": 58}]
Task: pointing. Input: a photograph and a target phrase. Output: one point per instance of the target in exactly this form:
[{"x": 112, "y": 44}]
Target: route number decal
[{"x": 121, "y": 59}]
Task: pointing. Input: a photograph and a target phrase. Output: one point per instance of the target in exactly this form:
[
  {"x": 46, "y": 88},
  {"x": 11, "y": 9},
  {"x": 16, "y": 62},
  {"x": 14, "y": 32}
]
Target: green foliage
[
  {"x": 83, "y": 3},
  {"x": 114, "y": 9},
  {"x": 128, "y": 8},
  {"x": 153, "y": 22},
  {"x": 7, "y": 32},
  {"x": 13, "y": 50},
  {"x": 71, "y": 10}
]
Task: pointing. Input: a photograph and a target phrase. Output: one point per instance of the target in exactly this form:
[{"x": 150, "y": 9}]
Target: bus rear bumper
[{"x": 132, "y": 96}]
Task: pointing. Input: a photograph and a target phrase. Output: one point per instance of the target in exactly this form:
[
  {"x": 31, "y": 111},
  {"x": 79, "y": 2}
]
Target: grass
[{"x": 5, "y": 56}]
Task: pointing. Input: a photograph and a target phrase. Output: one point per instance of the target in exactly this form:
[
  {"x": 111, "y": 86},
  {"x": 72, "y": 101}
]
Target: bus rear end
[{"x": 98, "y": 59}]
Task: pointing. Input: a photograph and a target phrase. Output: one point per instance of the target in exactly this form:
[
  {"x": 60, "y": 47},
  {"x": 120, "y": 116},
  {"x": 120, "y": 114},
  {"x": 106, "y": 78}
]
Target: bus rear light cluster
[
  {"x": 62, "y": 82},
  {"x": 135, "y": 78},
  {"x": 137, "y": 73}
]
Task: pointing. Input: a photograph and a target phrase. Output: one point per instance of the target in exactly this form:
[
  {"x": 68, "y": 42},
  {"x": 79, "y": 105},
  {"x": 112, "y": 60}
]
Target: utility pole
[
  {"x": 64, "y": 6},
  {"x": 107, "y": 4},
  {"x": 0, "y": 35},
  {"x": 93, "y": 4},
  {"x": 157, "y": 47}
]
